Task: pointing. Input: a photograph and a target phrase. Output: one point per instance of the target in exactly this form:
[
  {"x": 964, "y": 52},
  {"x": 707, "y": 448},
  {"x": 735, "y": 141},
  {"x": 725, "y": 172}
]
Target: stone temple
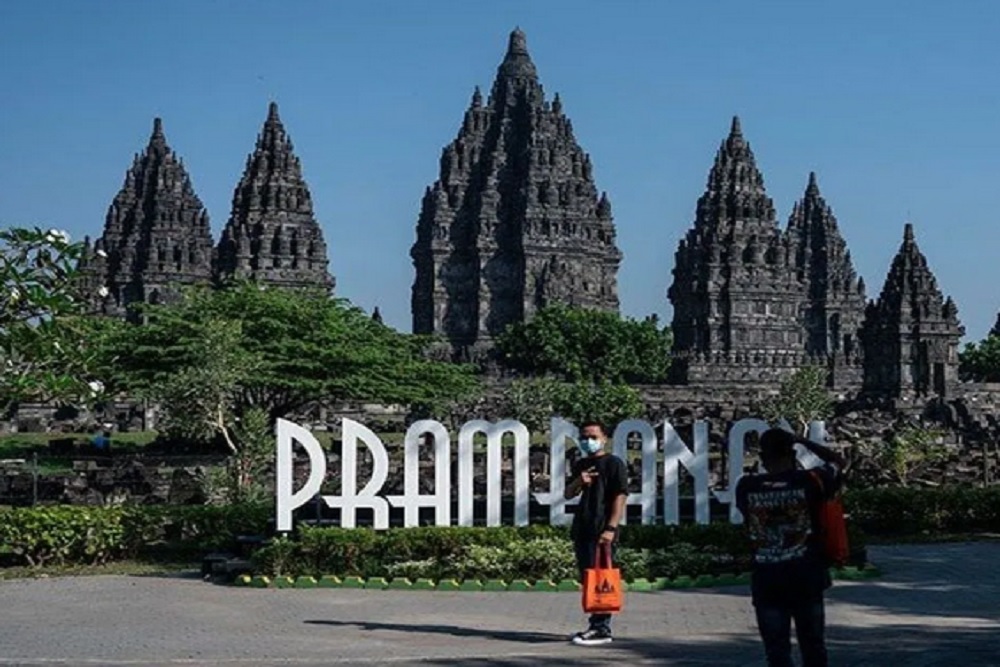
[
  {"x": 157, "y": 236},
  {"x": 515, "y": 221},
  {"x": 912, "y": 331},
  {"x": 272, "y": 235},
  {"x": 754, "y": 302}
]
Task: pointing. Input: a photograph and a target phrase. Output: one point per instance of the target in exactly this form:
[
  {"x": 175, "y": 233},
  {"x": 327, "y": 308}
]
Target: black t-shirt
[
  {"x": 781, "y": 515},
  {"x": 595, "y": 501}
]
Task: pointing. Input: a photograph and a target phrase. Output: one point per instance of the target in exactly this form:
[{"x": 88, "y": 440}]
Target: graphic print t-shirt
[{"x": 781, "y": 513}]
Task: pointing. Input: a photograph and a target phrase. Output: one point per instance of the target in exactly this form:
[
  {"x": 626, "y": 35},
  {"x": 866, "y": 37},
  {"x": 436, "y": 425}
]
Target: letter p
[{"x": 288, "y": 501}]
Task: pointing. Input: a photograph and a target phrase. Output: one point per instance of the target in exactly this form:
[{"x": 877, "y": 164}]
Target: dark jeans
[
  {"x": 774, "y": 623},
  {"x": 586, "y": 554}
]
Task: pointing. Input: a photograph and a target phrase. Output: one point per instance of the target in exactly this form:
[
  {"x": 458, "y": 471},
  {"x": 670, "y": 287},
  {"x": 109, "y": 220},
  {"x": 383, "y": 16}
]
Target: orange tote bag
[
  {"x": 602, "y": 585},
  {"x": 834, "y": 528}
]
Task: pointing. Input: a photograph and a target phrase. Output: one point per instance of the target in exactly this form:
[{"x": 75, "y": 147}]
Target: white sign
[{"x": 676, "y": 453}]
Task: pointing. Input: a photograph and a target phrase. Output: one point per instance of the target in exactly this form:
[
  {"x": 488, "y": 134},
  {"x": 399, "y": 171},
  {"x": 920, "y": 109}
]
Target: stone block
[
  {"x": 640, "y": 586},
  {"x": 377, "y": 583},
  {"x": 495, "y": 585},
  {"x": 397, "y": 583},
  {"x": 728, "y": 580},
  {"x": 545, "y": 586}
]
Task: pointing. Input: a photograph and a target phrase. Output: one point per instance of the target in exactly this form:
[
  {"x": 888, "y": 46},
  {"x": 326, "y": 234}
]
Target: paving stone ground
[{"x": 935, "y": 605}]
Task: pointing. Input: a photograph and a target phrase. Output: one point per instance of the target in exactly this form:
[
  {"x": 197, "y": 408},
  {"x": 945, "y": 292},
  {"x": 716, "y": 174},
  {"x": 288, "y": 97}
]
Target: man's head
[
  {"x": 593, "y": 435},
  {"x": 777, "y": 449}
]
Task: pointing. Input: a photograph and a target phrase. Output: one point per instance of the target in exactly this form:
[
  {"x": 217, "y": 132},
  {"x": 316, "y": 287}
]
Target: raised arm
[{"x": 826, "y": 454}]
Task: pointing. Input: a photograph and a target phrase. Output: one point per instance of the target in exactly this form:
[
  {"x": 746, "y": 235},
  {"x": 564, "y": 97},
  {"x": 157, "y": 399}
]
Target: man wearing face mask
[{"x": 603, "y": 480}]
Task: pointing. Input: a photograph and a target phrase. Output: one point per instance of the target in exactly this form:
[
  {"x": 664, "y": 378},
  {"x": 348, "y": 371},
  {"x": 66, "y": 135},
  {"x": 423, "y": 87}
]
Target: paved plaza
[{"x": 935, "y": 605}]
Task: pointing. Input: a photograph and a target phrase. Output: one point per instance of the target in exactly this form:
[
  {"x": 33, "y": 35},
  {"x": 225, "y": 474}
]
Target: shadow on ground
[{"x": 453, "y": 630}]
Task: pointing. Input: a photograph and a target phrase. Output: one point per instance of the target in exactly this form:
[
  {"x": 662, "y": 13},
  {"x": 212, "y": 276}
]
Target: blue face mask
[{"x": 590, "y": 446}]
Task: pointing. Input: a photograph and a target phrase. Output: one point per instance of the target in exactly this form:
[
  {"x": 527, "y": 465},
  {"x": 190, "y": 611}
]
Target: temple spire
[
  {"x": 272, "y": 235},
  {"x": 514, "y": 222},
  {"x": 812, "y": 189},
  {"x": 912, "y": 331},
  {"x": 517, "y": 62},
  {"x": 517, "y": 45},
  {"x": 735, "y": 130},
  {"x": 156, "y": 234}
]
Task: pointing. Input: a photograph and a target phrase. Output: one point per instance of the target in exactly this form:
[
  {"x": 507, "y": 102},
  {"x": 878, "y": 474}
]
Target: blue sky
[{"x": 895, "y": 105}]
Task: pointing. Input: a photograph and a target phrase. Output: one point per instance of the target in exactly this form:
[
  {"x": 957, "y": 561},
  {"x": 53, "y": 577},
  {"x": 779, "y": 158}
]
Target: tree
[
  {"x": 607, "y": 403},
  {"x": 534, "y": 401},
  {"x": 903, "y": 456},
  {"x": 278, "y": 350},
  {"x": 981, "y": 362},
  {"x": 802, "y": 398},
  {"x": 579, "y": 344},
  {"x": 43, "y": 355}
]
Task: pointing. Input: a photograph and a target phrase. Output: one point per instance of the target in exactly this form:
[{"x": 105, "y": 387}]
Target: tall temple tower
[
  {"x": 156, "y": 235},
  {"x": 272, "y": 235},
  {"x": 835, "y": 295},
  {"x": 911, "y": 332},
  {"x": 736, "y": 294},
  {"x": 514, "y": 221}
]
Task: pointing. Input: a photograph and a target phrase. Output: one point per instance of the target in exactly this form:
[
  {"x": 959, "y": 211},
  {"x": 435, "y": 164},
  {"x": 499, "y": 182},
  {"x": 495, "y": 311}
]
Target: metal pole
[{"x": 34, "y": 478}]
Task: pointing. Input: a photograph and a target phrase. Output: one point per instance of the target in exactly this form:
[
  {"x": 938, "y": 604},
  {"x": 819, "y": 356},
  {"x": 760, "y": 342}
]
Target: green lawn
[{"x": 24, "y": 445}]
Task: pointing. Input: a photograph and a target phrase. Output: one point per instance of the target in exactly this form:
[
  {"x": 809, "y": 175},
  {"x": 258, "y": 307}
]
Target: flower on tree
[{"x": 57, "y": 236}]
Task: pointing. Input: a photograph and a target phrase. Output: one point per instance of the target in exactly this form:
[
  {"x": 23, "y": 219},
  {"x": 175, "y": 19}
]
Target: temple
[{"x": 515, "y": 221}]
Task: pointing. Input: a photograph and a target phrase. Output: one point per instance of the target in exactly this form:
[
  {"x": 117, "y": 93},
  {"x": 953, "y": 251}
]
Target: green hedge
[
  {"x": 60, "y": 535},
  {"x": 504, "y": 553},
  {"x": 899, "y": 511},
  {"x": 67, "y": 534}
]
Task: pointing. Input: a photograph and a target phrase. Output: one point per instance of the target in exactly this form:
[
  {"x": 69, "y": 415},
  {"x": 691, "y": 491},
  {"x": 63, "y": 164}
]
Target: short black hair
[
  {"x": 594, "y": 422},
  {"x": 776, "y": 443}
]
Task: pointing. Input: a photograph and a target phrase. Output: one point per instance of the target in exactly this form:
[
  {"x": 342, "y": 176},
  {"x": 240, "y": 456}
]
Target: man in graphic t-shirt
[
  {"x": 790, "y": 572},
  {"x": 603, "y": 480}
]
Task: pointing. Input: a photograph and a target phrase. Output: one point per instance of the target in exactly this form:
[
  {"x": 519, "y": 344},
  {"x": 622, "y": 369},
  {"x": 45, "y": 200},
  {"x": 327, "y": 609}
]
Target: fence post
[{"x": 34, "y": 478}]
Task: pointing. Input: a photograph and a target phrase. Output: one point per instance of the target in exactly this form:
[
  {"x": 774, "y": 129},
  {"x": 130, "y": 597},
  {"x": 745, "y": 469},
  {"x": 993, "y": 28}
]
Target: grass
[
  {"x": 22, "y": 445},
  {"x": 26, "y": 445}
]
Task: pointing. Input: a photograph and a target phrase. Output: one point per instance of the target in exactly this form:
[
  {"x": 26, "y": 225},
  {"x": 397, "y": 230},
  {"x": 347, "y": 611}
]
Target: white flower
[
  {"x": 103, "y": 292},
  {"x": 101, "y": 253},
  {"x": 96, "y": 386},
  {"x": 57, "y": 236},
  {"x": 15, "y": 294}
]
